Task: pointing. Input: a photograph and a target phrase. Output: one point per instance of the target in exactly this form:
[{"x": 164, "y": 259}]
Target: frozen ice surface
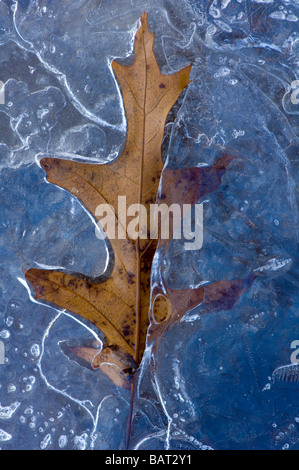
[{"x": 216, "y": 383}]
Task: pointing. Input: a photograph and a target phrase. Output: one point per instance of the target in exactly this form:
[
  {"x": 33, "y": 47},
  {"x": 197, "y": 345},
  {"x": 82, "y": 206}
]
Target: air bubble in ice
[
  {"x": 41, "y": 113},
  {"x": 14, "y": 306},
  {"x": 222, "y": 72},
  {"x": 45, "y": 442},
  {"x": 292, "y": 18},
  {"x": 81, "y": 442},
  {"x": 4, "y": 334},
  {"x": 278, "y": 15},
  {"x": 11, "y": 388},
  {"x": 29, "y": 383},
  {"x": 211, "y": 30},
  {"x": 31, "y": 379},
  {"x": 266, "y": 387},
  {"x": 35, "y": 350},
  {"x": 28, "y": 410},
  {"x": 62, "y": 441},
  {"x": 237, "y": 133},
  {"x": 215, "y": 12}
]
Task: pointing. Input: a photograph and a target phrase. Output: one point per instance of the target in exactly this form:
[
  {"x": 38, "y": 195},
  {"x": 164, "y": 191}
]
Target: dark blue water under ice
[{"x": 215, "y": 383}]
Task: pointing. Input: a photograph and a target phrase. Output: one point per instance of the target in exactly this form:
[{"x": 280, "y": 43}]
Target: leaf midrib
[{"x": 138, "y": 261}]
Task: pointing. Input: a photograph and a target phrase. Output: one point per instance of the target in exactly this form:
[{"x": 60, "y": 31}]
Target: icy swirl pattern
[{"x": 225, "y": 380}]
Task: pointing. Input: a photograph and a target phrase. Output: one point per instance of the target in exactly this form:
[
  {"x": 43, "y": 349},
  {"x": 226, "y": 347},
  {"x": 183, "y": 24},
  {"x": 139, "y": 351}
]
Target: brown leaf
[
  {"x": 111, "y": 361},
  {"x": 119, "y": 306},
  {"x": 122, "y": 305},
  {"x": 214, "y": 297}
]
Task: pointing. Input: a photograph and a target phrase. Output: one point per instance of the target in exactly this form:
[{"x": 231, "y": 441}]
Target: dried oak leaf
[{"x": 119, "y": 306}]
